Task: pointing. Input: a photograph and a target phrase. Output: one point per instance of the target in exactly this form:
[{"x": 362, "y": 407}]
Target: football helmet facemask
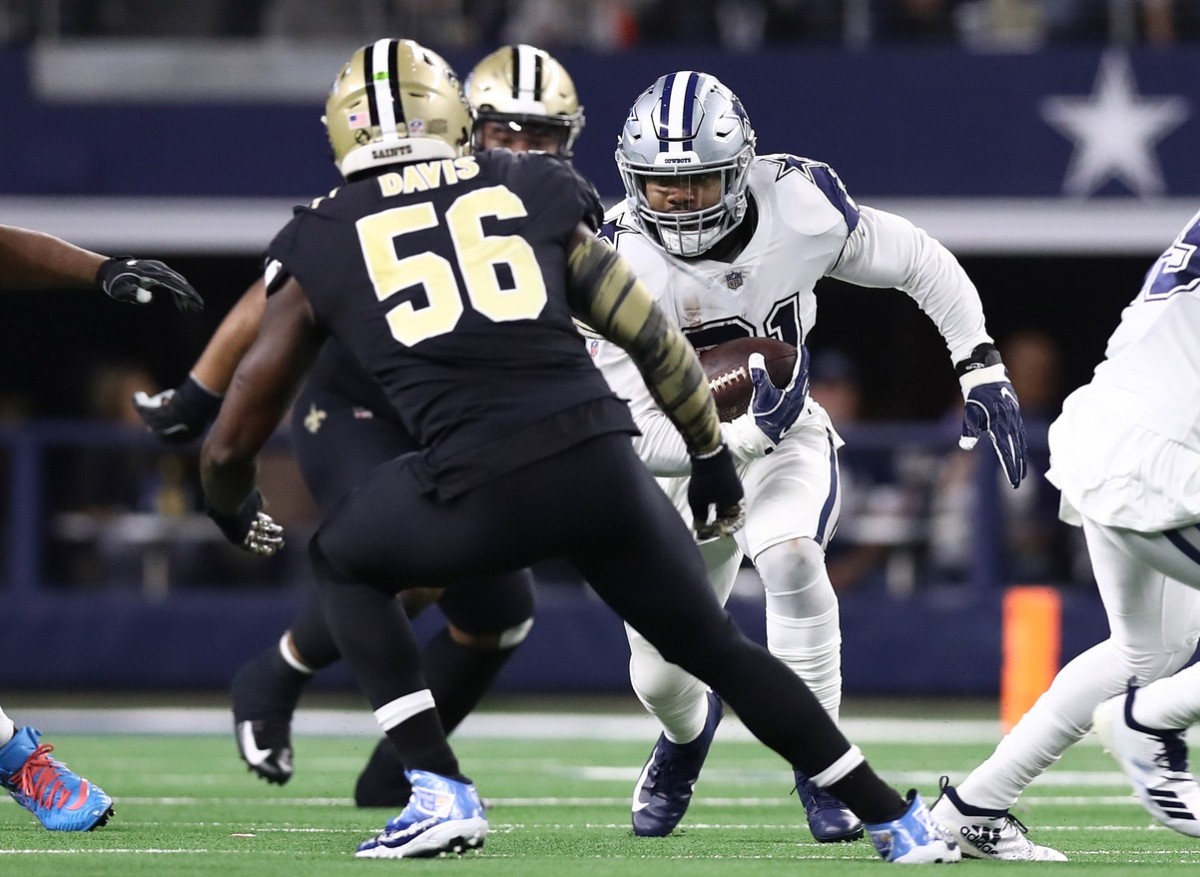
[
  {"x": 522, "y": 85},
  {"x": 395, "y": 101},
  {"x": 687, "y": 124}
]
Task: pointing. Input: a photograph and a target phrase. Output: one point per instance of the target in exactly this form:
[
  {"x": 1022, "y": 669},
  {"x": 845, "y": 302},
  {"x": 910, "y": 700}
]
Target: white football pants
[
  {"x": 1151, "y": 593},
  {"x": 792, "y": 507}
]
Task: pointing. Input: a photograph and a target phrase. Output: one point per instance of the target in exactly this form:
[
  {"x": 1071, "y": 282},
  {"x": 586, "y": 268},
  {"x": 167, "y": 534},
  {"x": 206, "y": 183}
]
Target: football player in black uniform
[
  {"x": 453, "y": 281},
  {"x": 342, "y": 427}
]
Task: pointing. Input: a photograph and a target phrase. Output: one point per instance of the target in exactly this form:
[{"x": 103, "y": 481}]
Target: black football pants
[
  {"x": 349, "y": 441},
  {"x": 596, "y": 506}
]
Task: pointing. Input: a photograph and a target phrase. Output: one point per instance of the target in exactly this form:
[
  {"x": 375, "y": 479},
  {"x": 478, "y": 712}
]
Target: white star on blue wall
[{"x": 1115, "y": 131}]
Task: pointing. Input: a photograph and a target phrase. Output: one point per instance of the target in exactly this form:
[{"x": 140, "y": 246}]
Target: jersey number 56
[{"x": 477, "y": 254}]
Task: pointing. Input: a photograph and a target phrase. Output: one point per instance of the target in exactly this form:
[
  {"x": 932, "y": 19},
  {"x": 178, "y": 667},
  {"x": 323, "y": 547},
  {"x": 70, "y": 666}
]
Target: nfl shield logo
[
  {"x": 593, "y": 347},
  {"x": 734, "y": 280}
]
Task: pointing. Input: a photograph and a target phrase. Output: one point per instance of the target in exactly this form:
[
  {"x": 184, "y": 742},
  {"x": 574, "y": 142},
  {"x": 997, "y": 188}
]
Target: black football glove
[
  {"x": 992, "y": 409},
  {"x": 715, "y": 495},
  {"x": 127, "y": 279},
  {"x": 181, "y": 415},
  {"x": 249, "y": 528}
]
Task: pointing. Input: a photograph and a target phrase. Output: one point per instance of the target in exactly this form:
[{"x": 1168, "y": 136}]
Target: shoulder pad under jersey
[{"x": 820, "y": 175}]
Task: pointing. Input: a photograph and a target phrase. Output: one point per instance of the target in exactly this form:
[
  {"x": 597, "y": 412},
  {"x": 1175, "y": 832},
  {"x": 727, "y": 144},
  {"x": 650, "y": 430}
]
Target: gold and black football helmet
[
  {"x": 523, "y": 85},
  {"x": 395, "y": 101}
]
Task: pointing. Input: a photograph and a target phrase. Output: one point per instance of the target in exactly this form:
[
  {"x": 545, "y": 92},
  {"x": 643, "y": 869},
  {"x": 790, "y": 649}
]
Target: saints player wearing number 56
[
  {"x": 453, "y": 280},
  {"x": 731, "y": 243},
  {"x": 343, "y": 426}
]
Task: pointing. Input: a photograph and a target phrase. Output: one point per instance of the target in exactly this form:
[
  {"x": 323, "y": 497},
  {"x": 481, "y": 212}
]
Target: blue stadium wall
[{"x": 922, "y": 123}]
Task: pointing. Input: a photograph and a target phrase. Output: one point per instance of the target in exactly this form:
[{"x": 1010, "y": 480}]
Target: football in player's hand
[{"x": 729, "y": 374}]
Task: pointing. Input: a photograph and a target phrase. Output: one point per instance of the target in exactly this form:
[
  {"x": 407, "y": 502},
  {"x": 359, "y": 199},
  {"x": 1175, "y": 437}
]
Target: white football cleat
[
  {"x": 988, "y": 834},
  {"x": 1155, "y": 761}
]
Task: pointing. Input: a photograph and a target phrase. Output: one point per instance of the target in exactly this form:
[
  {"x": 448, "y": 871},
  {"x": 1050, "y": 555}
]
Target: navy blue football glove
[
  {"x": 992, "y": 408},
  {"x": 127, "y": 279},
  {"x": 775, "y": 409},
  {"x": 181, "y": 415},
  {"x": 250, "y": 528},
  {"x": 715, "y": 495}
]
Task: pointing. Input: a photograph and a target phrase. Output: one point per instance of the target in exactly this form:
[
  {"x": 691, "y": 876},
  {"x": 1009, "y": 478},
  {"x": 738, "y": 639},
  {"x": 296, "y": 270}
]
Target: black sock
[
  {"x": 312, "y": 637},
  {"x": 459, "y": 675},
  {"x": 267, "y": 687},
  {"x": 871, "y": 799},
  {"x": 423, "y": 744}
]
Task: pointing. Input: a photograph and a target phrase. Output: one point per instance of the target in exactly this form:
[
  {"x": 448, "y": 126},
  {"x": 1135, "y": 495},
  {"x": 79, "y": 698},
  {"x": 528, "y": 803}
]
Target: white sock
[
  {"x": 7, "y": 728},
  {"x": 1058, "y": 719},
  {"x": 1173, "y": 702},
  {"x": 803, "y": 621},
  {"x": 673, "y": 696}
]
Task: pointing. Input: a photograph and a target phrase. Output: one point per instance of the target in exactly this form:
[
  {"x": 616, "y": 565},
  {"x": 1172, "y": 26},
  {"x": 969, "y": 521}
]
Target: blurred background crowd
[{"x": 605, "y": 25}]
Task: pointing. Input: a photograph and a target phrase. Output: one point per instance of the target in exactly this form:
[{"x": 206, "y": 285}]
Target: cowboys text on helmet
[{"x": 686, "y": 136}]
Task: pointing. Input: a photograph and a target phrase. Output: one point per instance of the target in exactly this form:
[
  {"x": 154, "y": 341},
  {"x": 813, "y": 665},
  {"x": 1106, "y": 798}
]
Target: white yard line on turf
[{"x": 483, "y": 725}]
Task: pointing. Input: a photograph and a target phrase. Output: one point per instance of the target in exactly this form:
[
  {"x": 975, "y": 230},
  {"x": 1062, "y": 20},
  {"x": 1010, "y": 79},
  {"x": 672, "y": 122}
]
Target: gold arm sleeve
[{"x": 618, "y": 306}]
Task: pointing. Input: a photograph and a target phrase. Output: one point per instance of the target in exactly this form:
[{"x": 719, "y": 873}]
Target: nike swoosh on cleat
[
  {"x": 639, "y": 805},
  {"x": 1005, "y": 391},
  {"x": 249, "y": 745}
]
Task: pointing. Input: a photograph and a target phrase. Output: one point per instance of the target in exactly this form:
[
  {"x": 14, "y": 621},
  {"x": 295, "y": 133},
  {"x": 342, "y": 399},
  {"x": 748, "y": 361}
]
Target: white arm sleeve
[
  {"x": 888, "y": 250},
  {"x": 660, "y": 446}
]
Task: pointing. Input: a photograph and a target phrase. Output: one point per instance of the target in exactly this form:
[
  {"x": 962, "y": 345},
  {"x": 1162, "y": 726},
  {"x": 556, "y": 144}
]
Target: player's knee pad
[
  {"x": 796, "y": 582},
  {"x": 791, "y": 566}
]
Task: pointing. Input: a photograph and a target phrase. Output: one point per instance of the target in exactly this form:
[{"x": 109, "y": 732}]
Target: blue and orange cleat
[{"x": 61, "y": 799}]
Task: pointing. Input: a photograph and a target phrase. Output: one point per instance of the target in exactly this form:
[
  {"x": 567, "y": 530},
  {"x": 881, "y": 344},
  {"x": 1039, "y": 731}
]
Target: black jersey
[
  {"x": 447, "y": 280},
  {"x": 336, "y": 373}
]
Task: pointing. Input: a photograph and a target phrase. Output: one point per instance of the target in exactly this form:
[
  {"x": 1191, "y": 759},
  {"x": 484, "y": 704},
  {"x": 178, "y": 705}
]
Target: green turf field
[{"x": 186, "y": 805}]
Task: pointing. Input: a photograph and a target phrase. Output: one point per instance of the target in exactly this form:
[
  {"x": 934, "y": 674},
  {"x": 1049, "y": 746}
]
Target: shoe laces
[
  {"x": 1015, "y": 823},
  {"x": 664, "y": 774},
  {"x": 660, "y": 775},
  {"x": 40, "y": 779},
  {"x": 1173, "y": 755},
  {"x": 812, "y": 795}
]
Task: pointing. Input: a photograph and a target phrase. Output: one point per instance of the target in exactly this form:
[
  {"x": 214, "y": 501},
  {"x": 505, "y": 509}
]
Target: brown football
[{"x": 729, "y": 374}]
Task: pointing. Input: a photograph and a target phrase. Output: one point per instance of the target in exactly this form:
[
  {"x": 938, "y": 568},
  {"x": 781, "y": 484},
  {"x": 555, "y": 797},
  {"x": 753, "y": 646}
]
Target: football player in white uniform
[
  {"x": 1125, "y": 453},
  {"x": 731, "y": 243}
]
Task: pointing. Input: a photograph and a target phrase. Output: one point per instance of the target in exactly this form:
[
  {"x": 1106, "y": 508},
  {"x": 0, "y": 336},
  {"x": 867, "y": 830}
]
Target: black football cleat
[{"x": 829, "y": 820}]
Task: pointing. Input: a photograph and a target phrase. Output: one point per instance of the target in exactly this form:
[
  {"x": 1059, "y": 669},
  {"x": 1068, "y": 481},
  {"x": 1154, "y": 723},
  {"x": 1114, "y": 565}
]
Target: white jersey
[
  {"x": 1125, "y": 451},
  {"x": 808, "y": 227}
]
